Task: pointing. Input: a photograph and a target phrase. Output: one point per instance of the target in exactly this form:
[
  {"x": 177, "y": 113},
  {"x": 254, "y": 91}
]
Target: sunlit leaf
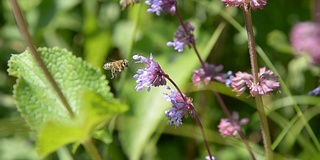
[{"x": 84, "y": 87}]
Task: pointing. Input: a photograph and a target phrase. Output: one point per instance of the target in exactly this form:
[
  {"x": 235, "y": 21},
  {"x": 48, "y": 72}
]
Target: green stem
[
  {"x": 264, "y": 128},
  {"x": 285, "y": 89},
  {"x": 91, "y": 149},
  {"x": 254, "y": 68},
  {"x": 27, "y": 38}
]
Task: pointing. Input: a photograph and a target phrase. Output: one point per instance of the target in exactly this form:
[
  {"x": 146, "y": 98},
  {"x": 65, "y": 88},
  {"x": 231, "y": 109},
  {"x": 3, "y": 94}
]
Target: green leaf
[
  {"x": 84, "y": 87},
  {"x": 94, "y": 110}
]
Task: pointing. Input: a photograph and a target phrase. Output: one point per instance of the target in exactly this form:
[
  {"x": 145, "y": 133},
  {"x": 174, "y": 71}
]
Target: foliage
[{"x": 85, "y": 88}]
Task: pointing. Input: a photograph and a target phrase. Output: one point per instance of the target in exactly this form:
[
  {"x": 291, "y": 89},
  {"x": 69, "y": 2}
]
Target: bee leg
[{"x": 113, "y": 73}]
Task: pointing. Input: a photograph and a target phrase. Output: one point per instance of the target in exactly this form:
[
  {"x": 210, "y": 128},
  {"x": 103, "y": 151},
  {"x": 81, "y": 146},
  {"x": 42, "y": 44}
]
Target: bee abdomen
[{"x": 107, "y": 66}]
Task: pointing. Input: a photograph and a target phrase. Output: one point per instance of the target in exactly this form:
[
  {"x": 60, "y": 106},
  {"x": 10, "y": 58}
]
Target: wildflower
[
  {"x": 227, "y": 128},
  {"x": 211, "y": 72},
  {"x": 240, "y": 82},
  {"x": 267, "y": 82},
  {"x": 236, "y": 3},
  {"x": 165, "y": 6},
  {"x": 315, "y": 92},
  {"x": 253, "y": 3},
  {"x": 179, "y": 108},
  {"x": 152, "y": 75},
  {"x": 182, "y": 37},
  {"x": 305, "y": 37}
]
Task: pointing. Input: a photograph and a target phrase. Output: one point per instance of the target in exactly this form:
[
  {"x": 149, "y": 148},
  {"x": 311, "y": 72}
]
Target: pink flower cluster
[
  {"x": 305, "y": 37},
  {"x": 267, "y": 82},
  {"x": 255, "y": 4},
  {"x": 227, "y": 128}
]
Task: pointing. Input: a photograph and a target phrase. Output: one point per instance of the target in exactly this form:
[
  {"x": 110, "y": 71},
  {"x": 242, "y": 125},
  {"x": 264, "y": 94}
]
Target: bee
[
  {"x": 125, "y": 3},
  {"x": 116, "y": 66}
]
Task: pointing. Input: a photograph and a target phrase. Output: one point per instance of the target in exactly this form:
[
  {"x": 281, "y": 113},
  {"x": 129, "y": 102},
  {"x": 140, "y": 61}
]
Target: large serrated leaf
[
  {"x": 94, "y": 110},
  {"x": 84, "y": 87},
  {"x": 36, "y": 99}
]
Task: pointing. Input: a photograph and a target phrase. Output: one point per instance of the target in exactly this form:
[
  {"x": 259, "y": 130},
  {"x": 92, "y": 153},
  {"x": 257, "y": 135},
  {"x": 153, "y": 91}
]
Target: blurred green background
[{"x": 98, "y": 31}]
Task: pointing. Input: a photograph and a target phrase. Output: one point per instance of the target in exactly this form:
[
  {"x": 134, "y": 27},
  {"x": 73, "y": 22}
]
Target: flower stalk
[
  {"x": 254, "y": 68},
  {"x": 182, "y": 106},
  {"x": 91, "y": 149},
  {"x": 193, "y": 43},
  {"x": 233, "y": 121},
  {"x": 196, "y": 116}
]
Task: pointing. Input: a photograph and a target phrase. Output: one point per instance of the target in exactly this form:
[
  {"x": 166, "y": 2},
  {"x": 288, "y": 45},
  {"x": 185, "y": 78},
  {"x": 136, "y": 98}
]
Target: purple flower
[
  {"x": 268, "y": 82},
  {"x": 227, "y": 128},
  {"x": 315, "y": 92},
  {"x": 305, "y": 37},
  {"x": 182, "y": 37},
  {"x": 240, "y": 82},
  {"x": 232, "y": 2},
  {"x": 165, "y": 6},
  {"x": 180, "y": 107},
  {"x": 255, "y": 4},
  {"x": 212, "y": 72},
  {"x": 152, "y": 75}
]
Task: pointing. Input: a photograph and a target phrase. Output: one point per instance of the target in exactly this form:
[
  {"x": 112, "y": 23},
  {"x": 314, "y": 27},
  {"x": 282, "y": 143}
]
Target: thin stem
[
  {"x": 226, "y": 111},
  {"x": 264, "y": 128},
  {"x": 196, "y": 116},
  {"x": 91, "y": 149},
  {"x": 251, "y": 43},
  {"x": 254, "y": 68},
  {"x": 194, "y": 113},
  {"x": 27, "y": 38},
  {"x": 193, "y": 43},
  {"x": 176, "y": 86}
]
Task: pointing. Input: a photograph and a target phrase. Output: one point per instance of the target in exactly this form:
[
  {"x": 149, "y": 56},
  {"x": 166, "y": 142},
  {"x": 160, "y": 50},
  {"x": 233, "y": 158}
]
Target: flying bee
[
  {"x": 116, "y": 66},
  {"x": 125, "y": 3}
]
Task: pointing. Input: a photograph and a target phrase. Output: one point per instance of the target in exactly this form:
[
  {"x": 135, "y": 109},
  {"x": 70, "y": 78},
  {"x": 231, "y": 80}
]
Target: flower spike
[
  {"x": 255, "y": 4},
  {"x": 158, "y": 6},
  {"x": 179, "y": 107},
  {"x": 152, "y": 75},
  {"x": 227, "y": 128},
  {"x": 182, "y": 38},
  {"x": 211, "y": 72}
]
